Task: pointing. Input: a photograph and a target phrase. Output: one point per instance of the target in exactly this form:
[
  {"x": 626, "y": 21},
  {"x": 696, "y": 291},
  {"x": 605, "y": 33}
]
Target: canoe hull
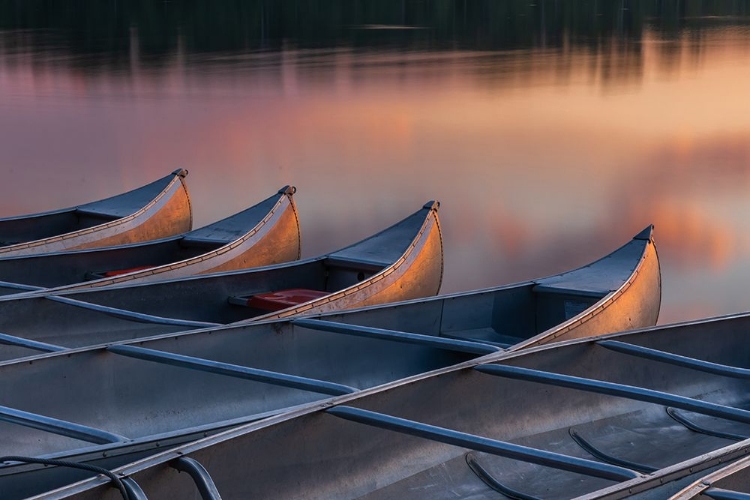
[
  {"x": 266, "y": 233},
  {"x": 418, "y": 273},
  {"x": 167, "y": 214},
  {"x": 275, "y": 240},
  {"x": 635, "y": 304}
]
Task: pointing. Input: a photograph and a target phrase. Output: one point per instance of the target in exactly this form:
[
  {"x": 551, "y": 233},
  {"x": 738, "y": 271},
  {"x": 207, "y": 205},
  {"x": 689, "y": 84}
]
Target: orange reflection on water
[{"x": 543, "y": 159}]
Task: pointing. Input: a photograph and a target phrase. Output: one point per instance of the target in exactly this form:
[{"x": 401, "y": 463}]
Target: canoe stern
[
  {"x": 417, "y": 273},
  {"x": 126, "y": 218},
  {"x": 635, "y": 303}
]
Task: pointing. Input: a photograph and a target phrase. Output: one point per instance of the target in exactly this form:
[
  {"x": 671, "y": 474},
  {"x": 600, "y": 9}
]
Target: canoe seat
[
  {"x": 115, "y": 272},
  {"x": 278, "y": 300},
  {"x": 556, "y": 304},
  {"x": 102, "y": 214}
]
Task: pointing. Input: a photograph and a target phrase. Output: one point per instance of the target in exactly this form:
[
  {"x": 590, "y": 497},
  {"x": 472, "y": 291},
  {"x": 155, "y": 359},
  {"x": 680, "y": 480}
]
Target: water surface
[{"x": 551, "y": 132}]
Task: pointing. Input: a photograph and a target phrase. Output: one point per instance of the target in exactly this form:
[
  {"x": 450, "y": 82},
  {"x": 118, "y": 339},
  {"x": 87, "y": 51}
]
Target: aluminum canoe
[
  {"x": 640, "y": 414},
  {"x": 402, "y": 262},
  {"x": 167, "y": 389},
  {"x": 153, "y": 211},
  {"x": 620, "y": 291},
  {"x": 264, "y": 234}
]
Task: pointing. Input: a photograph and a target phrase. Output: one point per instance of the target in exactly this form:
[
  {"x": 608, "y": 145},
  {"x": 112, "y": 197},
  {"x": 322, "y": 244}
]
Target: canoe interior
[
  {"x": 336, "y": 458},
  {"x": 216, "y": 298},
  {"x": 502, "y": 316},
  {"x": 14, "y": 230},
  {"x": 45, "y": 320},
  {"x": 513, "y": 314},
  {"x": 64, "y": 268},
  {"x": 107, "y": 390},
  {"x": 342, "y": 358},
  {"x": 51, "y": 270}
]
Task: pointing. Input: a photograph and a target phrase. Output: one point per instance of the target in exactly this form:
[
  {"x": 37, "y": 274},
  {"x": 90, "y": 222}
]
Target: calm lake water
[{"x": 551, "y": 132}]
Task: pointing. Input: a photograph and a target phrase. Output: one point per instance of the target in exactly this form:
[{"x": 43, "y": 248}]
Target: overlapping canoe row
[
  {"x": 161, "y": 391},
  {"x": 457, "y": 396},
  {"x": 401, "y": 262},
  {"x": 642, "y": 414},
  {"x": 264, "y": 234}
]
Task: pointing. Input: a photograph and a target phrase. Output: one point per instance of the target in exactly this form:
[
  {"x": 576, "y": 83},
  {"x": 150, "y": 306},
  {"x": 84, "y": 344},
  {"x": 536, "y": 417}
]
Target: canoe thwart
[
  {"x": 675, "y": 359},
  {"x": 551, "y": 289},
  {"x": 357, "y": 264},
  {"x": 617, "y": 390},
  {"x": 29, "y": 344},
  {"x": 279, "y": 299},
  {"x": 57, "y": 426},
  {"x": 189, "y": 241},
  {"x": 227, "y": 369},
  {"x": 129, "y": 315},
  {"x": 397, "y": 336},
  {"x": 203, "y": 481},
  {"x": 96, "y": 214},
  {"x": 479, "y": 443},
  {"x": 722, "y": 494}
]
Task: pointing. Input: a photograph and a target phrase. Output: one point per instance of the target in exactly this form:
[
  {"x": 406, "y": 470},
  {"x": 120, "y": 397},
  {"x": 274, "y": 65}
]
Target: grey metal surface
[
  {"x": 157, "y": 210},
  {"x": 39, "y": 315},
  {"x": 333, "y": 458},
  {"x": 143, "y": 400},
  {"x": 266, "y": 233}
]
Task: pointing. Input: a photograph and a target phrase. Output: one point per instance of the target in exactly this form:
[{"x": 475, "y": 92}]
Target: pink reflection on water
[{"x": 543, "y": 160}]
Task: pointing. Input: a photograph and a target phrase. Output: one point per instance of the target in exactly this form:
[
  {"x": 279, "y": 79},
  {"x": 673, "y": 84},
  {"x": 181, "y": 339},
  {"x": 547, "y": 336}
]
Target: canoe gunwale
[
  {"x": 706, "y": 482},
  {"x": 673, "y": 472}
]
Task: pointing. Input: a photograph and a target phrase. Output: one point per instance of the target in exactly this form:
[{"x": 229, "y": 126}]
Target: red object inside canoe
[
  {"x": 118, "y": 272},
  {"x": 281, "y": 299}
]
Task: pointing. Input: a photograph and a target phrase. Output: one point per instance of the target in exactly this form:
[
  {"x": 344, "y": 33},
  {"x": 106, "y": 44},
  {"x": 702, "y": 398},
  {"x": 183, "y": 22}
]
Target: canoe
[
  {"x": 168, "y": 389},
  {"x": 153, "y": 211},
  {"x": 620, "y": 291},
  {"x": 264, "y": 234},
  {"x": 402, "y": 262},
  {"x": 632, "y": 414}
]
